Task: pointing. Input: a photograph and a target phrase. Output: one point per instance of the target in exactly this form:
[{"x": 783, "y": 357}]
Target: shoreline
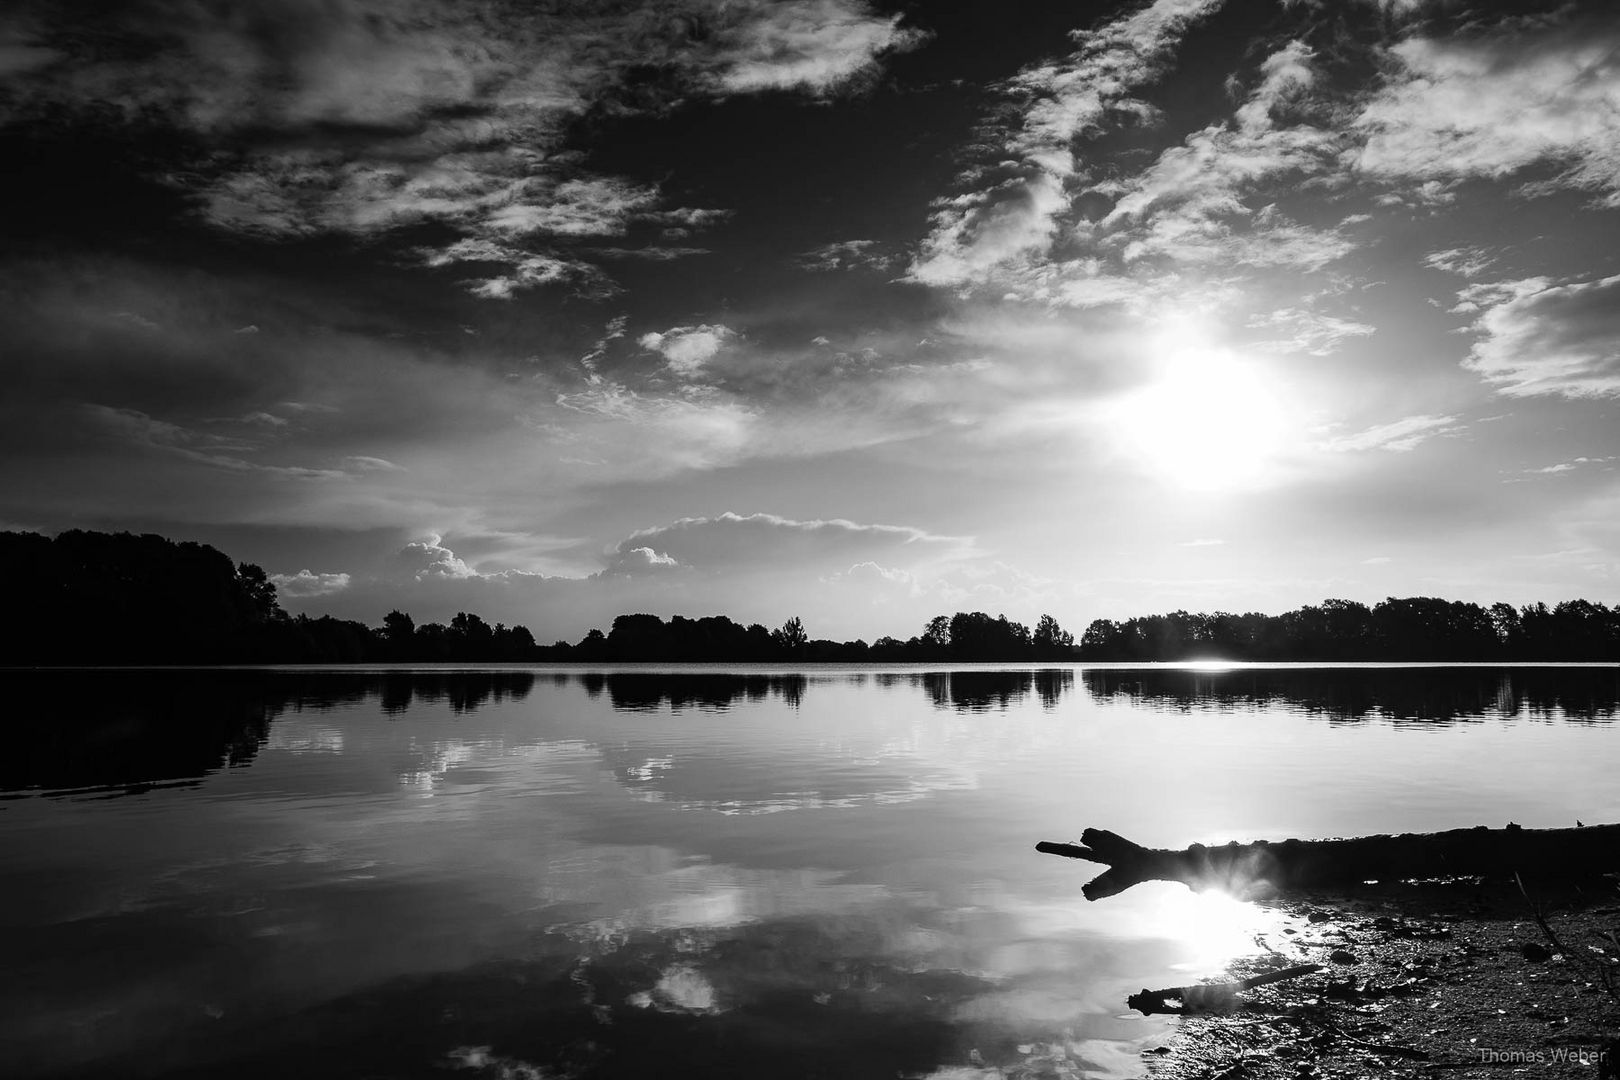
[{"x": 1456, "y": 979}]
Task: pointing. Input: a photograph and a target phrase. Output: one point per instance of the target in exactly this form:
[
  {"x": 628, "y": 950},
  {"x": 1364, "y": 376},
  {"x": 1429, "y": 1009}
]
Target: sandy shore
[{"x": 1456, "y": 980}]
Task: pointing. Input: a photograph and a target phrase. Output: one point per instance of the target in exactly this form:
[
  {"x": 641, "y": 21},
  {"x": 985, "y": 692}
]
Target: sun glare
[
  {"x": 1211, "y": 928},
  {"x": 1209, "y": 420}
]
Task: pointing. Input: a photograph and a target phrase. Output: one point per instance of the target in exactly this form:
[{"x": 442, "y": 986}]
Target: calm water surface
[{"x": 527, "y": 874}]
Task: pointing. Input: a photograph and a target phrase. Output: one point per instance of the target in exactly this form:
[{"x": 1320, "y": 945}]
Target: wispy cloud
[
  {"x": 221, "y": 452},
  {"x": 1541, "y": 338},
  {"x": 1010, "y": 208},
  {"x": 1306, "y": 332},
  {"x": 1397, "y": 436},
  {"x": 1189, "y": 206},
  {"x": 730, "y": 542},
  {"x": 358, "y": 117},
  {"x": 816, "y": 45},
  {"x": 1468, "y": 262},
  {"x": 846, "y": 255},
  {"x": 1494, "y": 102}
]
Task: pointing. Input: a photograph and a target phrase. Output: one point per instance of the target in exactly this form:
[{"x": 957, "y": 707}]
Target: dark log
[
  {"x": 1264, "y": 867},
  {"x": 1210, "y": 997}
]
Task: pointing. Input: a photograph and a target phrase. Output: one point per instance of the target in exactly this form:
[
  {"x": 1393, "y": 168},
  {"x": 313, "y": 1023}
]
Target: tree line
[
  {"x": 1410, "y": 628},
  {"x": 967, "y": 635},
  {"x": 117, "y": 598}
]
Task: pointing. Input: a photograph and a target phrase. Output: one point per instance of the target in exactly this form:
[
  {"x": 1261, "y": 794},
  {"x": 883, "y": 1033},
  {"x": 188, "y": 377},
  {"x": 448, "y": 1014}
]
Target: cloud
[
  {"x": 428, "y": 558},
  {"x": 307, "y": 583},
  {"x": 1540, "y": 338},
  {"x": 1202, "y": 541},
  {"x": 639, "y": 560},
  {"x": 815, "y": 45},
  {"x": 1191, "y": 205},
  {"x": 1199, "y": 209},
  {"x": 1493, "y": 103},
  {"x": 845, "y": 255},
  {"x": 1297, "y": 330},
  {"x": 1397, "y": 436},
  {"x": 839, "y": 575},
  {"x": 687, "y": 348},
  {"x": 136, "y": 428},
  {"x": 522, "y": 270},
  {"x": 651, "y": 434},
  {"x": 1011, "y": 209},
  {"x": 1568, "y": 466},
  {"x": 731, "y": 542},
  {"x": 359, "y": 117},
  {"x": 371, "y": 464},
  {"x": 1465, "y": 262}
]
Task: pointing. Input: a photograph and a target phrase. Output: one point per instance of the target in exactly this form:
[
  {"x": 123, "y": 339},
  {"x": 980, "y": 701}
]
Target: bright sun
[{"x": 1208, "y": 421}]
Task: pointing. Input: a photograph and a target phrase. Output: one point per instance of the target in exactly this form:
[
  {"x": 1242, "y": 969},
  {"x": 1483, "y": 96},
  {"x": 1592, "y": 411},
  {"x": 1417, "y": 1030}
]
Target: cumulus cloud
[
  {"x": 1494, "y": 103},
  {"x": 687, "y": 348},
  {"x": 1541, "y": 338},
  {"x": 1012, "y": 207},
  {"x": 639, "y": 560},
  {"x": 1397, "y": 436},
  {"x": 307, "y": 583},
  {"x": 429, "y": 558}
]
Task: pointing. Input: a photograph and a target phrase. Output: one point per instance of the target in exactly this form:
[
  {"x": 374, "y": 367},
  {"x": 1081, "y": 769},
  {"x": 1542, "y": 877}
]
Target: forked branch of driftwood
[{"x": 1260, "y": 867}]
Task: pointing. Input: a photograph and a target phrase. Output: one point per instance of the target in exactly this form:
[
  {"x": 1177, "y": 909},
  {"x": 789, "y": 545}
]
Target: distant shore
[{"x": 89, "y": 598}]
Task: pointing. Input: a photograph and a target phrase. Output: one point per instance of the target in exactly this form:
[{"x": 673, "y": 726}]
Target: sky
[{"x": 844, "y": 309}]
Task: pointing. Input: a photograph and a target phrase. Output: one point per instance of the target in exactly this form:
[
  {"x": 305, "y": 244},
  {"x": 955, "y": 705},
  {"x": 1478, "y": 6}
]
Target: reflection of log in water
[
  {"x": 1418, "y": 693},
  {"x": 1261, "y": 867}
]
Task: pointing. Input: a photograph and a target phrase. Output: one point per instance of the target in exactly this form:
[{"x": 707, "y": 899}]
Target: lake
[{"x": 521, "y": 873}]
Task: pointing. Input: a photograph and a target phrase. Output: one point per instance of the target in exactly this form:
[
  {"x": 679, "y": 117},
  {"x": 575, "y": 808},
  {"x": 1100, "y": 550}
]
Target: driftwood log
[
  {"x": 1263, "y": 867},
  {"x": 1209, "y": 997}
]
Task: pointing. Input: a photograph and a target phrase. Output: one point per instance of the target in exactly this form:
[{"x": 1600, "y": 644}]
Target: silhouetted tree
[
  {"x": 1051, "y": 641},
  {"x": 791, "y": 638},
  {"x": 1411, "y": 628}
]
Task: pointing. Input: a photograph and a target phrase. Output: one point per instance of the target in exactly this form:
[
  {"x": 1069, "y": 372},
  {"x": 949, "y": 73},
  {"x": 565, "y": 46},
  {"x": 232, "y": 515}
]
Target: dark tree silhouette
[
  {"x": 101, "y": 598},
  {"x": 1051, "y": 641},
  {"x": 1412, "y": 628},
  {"x": 117, "y": 598},
  {"x": 791, "y": 638}
]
